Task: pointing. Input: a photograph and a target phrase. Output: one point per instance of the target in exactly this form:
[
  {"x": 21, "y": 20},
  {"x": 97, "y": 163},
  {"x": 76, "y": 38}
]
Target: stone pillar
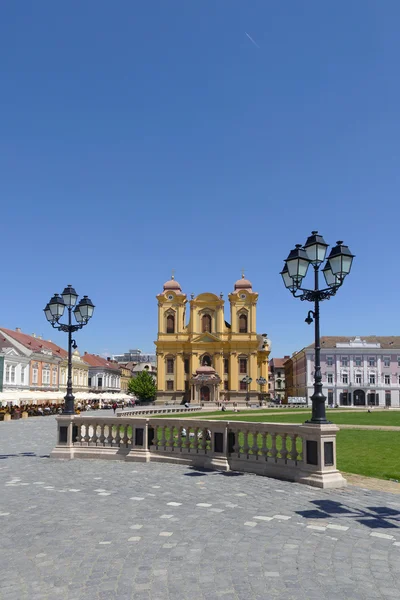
[
  {"x": 219, "y": 363},
  {"x": 253, "y": 371},
  {"x": 233, "y": 372},
  {"x": 179, "y": 373},
  {"x": 194, "y": 359},
  {"x": 160, "y": 372}
]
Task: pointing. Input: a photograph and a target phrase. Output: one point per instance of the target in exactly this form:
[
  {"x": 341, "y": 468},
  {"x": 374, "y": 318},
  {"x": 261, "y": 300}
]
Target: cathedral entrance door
[{"x": 205, "y": 393}]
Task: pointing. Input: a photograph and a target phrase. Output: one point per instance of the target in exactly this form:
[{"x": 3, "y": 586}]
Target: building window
[
  {"x": 330, "y": 377},
  {"x": 371, "y": 361},
  {"x": 358, "y": 378},
  {"x": 388, "y": 399},
  {"x": 170, "y": 385},
  {"x": 226, "y": 366},
  {"x": 243, "y": 324},
  {"x": 34, "y": 375},
  {"x": 279, "y": 384},
  {"x": 90, "y": 382},
  {"x": 372, "y": 378},
  {"x": 330, "y": 397},
  {"x": 243, "y": 366},
  {"x": 8, "y": 369},
  {"x": 187, "y": 365},
  {"x": 345, "y": 378},
  {"x": 386, "y": 361},
  {"x": 206, "y": 323},
  {"x": 54, "y": 377},
  {"x": 170, "y": 324},
  {"x": 357, "y": 361},
  {"x": 329, "y": 361},
  {"x": 387, "y": 379},
  {"x": 226, "y": 386},
  {"x": 206, "y": 361},
  {"x": 243, "y": 386},
  {"x": 99, "y": 382},
  {"x": 345, "y": 361},
  {"x": 46, "y": 377},
  {"x": 22, "y": 374},
  {"x": 13, "y": 374},
  {"x": 170, "y": 366}
]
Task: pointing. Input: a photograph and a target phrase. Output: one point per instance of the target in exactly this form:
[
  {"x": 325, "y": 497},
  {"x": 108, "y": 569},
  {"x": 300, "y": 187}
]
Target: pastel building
[
  {"x": 104, "y": 373},
  {"x": 356, "y": 371}
]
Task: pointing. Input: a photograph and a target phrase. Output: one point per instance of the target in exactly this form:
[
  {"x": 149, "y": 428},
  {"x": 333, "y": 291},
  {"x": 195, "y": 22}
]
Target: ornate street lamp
[
  {"x": 337, "y": 267},
  {"x": 83, "y": 312},
  {"x": 261, "y": 382},
  {"x": 247, "y": 380}
]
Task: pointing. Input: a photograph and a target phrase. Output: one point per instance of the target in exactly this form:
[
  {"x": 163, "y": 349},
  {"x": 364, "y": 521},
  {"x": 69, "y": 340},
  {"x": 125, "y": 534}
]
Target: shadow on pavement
[{"x": 374, "y": 517}]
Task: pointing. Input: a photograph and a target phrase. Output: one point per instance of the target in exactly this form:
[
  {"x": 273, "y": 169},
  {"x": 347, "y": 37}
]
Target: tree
[{"x": 143, "y": 386}]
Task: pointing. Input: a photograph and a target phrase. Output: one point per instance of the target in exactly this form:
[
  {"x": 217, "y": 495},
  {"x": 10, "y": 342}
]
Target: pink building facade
[{"x": 355, "y": 371}]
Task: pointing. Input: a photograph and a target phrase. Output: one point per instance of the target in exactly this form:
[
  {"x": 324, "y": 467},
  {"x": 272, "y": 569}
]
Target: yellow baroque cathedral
[{"x": 209, "y": 359}]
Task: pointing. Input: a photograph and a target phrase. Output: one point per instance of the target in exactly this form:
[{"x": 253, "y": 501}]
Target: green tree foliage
[{"x": 143, "y": 386}]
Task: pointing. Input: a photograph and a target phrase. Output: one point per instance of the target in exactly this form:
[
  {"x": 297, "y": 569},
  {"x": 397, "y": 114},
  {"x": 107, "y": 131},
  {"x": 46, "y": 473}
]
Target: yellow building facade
[{"x": 201, "y": 357}]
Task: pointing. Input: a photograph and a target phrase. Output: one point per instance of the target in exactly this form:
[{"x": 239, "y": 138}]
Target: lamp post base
[
  {"x": 69, "y": 406},
  {"x": 318, "y": 415}
]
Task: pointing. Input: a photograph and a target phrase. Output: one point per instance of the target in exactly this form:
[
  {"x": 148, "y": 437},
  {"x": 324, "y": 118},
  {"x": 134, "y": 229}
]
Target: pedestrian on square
[{"x": 115, "y": 406}]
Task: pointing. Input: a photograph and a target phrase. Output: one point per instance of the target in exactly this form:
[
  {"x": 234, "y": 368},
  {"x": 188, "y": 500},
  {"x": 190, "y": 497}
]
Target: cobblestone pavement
[{"x": 99, "y": 530}]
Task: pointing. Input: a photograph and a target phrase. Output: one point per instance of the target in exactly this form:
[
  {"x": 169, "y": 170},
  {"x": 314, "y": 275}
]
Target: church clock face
[
  {"x": 170, "y": 297},
  {"x": 243, "y": 296}
]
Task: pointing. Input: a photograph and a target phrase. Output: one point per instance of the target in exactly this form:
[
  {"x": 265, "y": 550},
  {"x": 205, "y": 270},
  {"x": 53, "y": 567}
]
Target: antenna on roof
[
  {"x": 173, "y": 274},
  {"x": 242, "y": 269}
]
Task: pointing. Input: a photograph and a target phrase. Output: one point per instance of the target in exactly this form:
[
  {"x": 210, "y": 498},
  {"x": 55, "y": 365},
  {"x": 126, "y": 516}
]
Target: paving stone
[{"x": 80, "y": 544}]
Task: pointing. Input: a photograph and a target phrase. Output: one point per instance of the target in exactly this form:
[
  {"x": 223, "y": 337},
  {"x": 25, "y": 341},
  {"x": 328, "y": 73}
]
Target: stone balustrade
[
  {"x": 303, "y": 453},
  {"x": 159, "y": 411}
]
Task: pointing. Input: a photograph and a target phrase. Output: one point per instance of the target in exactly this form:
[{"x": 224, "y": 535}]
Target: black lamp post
[
  {"x": 247, "y": 380},
  {"x": 261, "y": 382},
  {"x": 337, "y": 266},
  {"x": 82, "y": 312}
]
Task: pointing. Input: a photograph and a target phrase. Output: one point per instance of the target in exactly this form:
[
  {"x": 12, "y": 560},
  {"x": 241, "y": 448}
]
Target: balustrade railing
[{"x": 305, "y": 453}]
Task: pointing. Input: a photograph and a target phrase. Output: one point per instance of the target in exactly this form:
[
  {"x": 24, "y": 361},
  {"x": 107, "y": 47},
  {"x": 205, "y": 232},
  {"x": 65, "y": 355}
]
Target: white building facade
[{"x": 356, "y": 371}]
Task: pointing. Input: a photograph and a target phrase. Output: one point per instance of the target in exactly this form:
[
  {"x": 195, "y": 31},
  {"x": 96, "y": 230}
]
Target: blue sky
[{"x": 137, "y": 137}]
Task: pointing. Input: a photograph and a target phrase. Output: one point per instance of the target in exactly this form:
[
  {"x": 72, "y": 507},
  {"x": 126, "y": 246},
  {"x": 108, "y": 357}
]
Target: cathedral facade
[{"x": 205, "y": 358}]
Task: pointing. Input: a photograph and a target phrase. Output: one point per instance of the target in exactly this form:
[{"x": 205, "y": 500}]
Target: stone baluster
[
  {"x": 93, "y": 439},
  {"x": 187, "y": 440},
  {"x": 246, "y": 446},
  {"x": 264, "y": 445},
  {"x": 110, "y": 435},
  {"x": 274, "y": 451},
  {"x": 125, "y": 435},
  {"x": 86, "y": 439},
  {"x": 284, "y": 450},
  {"x": 292, "y": 454},
  {"x": 102, "y": 436},
  {"x": 236, "y": 447},
  {"x": 117, "y": 438},
  {"x": 254, "y": 447},
  {"x": 196, "y": 441},
  {"x": 162, "y": 441},
  {"x": 204, "y": 439}
]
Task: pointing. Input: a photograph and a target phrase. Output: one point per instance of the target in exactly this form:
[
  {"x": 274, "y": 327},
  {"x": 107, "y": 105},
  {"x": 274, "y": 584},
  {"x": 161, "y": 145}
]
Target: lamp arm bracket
[
  {"x": 67, "y": 328},
  {"x": 313, "y": 295}
]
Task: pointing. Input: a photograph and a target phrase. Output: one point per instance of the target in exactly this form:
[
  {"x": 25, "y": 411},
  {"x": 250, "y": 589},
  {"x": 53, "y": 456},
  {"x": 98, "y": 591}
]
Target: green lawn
[
  {"x": 383, "y": 417},
  {"x": 369, "y": 453}
]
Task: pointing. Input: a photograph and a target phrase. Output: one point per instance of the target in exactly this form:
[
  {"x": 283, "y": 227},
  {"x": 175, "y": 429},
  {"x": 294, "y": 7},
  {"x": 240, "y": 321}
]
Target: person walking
[{"x": 115, "y": 406}]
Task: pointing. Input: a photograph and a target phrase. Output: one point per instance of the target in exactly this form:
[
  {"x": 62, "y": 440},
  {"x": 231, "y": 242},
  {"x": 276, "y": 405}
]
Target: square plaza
[{"x": 95, "y": 529}]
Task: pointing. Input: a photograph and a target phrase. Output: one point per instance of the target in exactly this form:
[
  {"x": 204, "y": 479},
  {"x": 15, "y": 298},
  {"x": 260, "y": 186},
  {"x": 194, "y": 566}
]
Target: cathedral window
[
  {"x": 206, "y": 361},
  {"x": 243, "y": 323},
  {"x": 243, "y": 386},
  {"x": 170, "y": 385},
  {"x": 170, "y": 324},
  {"x": 243, "y": 366},
  {"x": 206, "y": 323},
  {"x": 170, "y": 366},
  {"x": 226, "y": 366},
  {"x": 187, "y": 365}
]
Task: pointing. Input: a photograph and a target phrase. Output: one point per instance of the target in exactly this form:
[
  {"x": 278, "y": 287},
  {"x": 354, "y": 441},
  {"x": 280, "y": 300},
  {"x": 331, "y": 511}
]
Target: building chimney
[
  {"x": 34, "y": 335},
  {"x": 85, "y": 352},
  {"x": 39, "y": 337},
  {"x": 108, "y": 358},
  {"x": 18, "y": 329}
]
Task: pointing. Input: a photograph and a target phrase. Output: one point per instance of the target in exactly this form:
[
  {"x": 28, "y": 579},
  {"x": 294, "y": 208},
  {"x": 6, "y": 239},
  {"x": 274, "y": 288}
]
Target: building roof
[
  {"x": 94, "y": 360},
  {"x": 278, "y": 363},
  {"x": 390, "y": 342},
  {"x": 33, "y": 343}
]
